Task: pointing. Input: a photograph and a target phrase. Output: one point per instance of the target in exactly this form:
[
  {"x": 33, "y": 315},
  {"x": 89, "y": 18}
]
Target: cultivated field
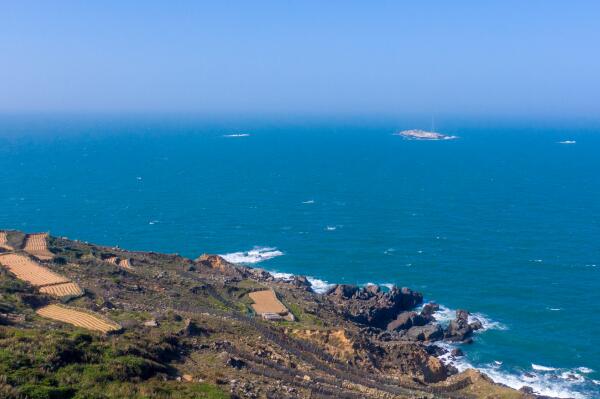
[
  {"x": 62, "y": 290},
  {"x": 4, "y": 241},
  {"x": 112, "y": 259},
  {"x": 266, "y": 302},
  {"x": 36, "y": 245},
  {"x": 125, "y": 264},
  {"x": 28, "y": 270},
  {"x": 78, "y": 318}
]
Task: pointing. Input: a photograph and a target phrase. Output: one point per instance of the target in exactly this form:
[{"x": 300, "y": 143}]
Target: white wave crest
[
  {"x": 282, "y": 276},
  {"x": 541, "y": 368},
  {"x": 319, "y": 286},
  {"x": 585, "y": 370},
  {"x": 308, "y": 202},
  {"x": 255, "y": 255},
  {"x": 549, "y": 381},
  {"x": 237, "y": 135}
]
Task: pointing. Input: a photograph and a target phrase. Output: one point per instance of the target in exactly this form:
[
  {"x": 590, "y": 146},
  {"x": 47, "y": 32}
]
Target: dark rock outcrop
[
  {"x": 459, "y": 328},
  {"x": 429, "y": 309},
  {"x": 406, "y": 320},
  {"x": 301, "y": 282},
  {"x": 427, "y": 333},
  {"x": 371, "y": 306}
]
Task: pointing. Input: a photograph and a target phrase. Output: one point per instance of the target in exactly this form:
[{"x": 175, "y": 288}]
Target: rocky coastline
[{"x": 191, "y": 324}]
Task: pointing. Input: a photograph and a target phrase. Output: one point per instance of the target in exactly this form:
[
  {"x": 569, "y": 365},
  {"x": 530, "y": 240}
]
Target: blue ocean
[{"x": 504, "y": 221}]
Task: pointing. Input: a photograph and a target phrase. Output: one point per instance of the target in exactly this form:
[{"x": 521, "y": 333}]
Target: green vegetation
[{"x": 60, "y": 364}]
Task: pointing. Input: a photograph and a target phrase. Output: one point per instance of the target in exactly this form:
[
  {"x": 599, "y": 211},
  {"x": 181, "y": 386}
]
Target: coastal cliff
[{"x": 143, "y": 324}]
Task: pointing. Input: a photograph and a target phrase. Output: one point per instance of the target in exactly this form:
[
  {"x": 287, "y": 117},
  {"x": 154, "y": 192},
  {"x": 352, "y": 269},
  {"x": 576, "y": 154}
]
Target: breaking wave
[
  {"x": 444, "y": 315},
  {"x": 255, "y": 255},
  {"x": 317, "y": 285},
  {"x": 544, "y": 380}
]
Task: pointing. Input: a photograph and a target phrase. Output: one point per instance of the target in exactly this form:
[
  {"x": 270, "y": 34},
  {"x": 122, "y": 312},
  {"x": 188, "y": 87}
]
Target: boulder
[
  {"x": 476, "y": 325},
  {"x": 217, "y": 263},
  {"x": 406, "y": 320},
  {"x": 429, "y": 309},
  {"x": 235, "y": 362},
  {"x": 428, "y": 333},
  {"x": 343, "y": 291},
  {"x": 459, "y": 328},
  {"x": 457, "y": 352},
  {"x": 373, "y": 289},
  {"x": 301, "y": 282}
]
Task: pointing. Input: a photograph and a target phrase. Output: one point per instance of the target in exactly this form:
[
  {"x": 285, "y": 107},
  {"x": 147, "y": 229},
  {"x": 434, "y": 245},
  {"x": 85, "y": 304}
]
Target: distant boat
[
  {"x": 237, "y": 135},
  {"x": 567, "y": 142},
  {"x": 416, "y": 134}
]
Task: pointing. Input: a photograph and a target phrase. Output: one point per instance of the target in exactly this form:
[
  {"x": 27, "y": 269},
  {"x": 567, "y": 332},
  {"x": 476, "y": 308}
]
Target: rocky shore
[{"x": 189, "y": 325}]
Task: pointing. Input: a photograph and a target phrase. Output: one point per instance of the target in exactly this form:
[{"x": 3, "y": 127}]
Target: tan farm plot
[
  {"x": 36, "y": 245},
  {"x": 78, "y": 318},
  {"x": 39, "y": 276},
  {"x": 62, "y": 290},
  {"x": 28, "y": 270},
  {"x": 268, "y": 306},
  {"x": 4, "y": 241}
]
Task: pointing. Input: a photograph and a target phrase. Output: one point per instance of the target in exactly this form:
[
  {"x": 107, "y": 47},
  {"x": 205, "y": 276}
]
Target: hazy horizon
[{"x": 268, "y": 59}]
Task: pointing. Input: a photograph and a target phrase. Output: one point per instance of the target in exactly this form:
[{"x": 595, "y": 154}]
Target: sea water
[{"x": 504, "y": 221}]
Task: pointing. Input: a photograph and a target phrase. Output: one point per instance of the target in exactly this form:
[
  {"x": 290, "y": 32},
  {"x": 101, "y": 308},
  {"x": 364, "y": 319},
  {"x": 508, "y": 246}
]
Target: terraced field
[
  {"x": 4, "y": 241},
  {"x": 112, "y": 259},
  {"x": 62, "y": 290},
  {"x": 125, "y": 264},
  {"x": 30, "y": 271},
  {"x": 37, "y": 245},
  {"x": 78, "y": 318}
]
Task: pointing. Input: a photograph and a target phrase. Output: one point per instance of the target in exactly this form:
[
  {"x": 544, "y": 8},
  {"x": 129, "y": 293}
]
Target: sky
[{"x": 367, "y": 58}]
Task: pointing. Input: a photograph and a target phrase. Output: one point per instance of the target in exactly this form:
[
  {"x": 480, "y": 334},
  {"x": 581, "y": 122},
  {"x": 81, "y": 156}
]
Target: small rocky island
[
  {"x": 81, "y": 320},
  {"x": 416, "y": 134}
]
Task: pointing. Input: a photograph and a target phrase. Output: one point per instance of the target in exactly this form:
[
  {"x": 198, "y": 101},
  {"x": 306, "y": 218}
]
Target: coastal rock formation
[
  {"x": 429, "y": 309},
  {"x": 427, "y": 333},
  {"x": 460, "y": 329},
  {"x": 217, "y": 263},
  {"x": 406, "y": 320},
  {"x": 200, "y": 329},
  {"x": 370, "y": 305}
]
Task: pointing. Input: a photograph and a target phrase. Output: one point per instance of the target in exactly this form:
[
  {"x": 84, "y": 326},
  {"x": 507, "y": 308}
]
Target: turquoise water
[{"x": 504, "y": 222}]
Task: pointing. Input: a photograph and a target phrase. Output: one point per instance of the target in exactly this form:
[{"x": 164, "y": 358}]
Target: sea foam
[
  {"x": 549, "y": 381},
  {"x": 255, "y": 255},
  {"x": 317, "y": 285},
  {"x": 445, "y": 315}
]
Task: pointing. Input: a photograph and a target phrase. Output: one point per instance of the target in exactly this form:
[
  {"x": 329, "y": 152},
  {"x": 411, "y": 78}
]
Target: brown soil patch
[
  {"x": 266, "y": 302},
  {"x": 37, "y": 245},
  {"x": 335, "y": 342},
  {"x": 78, "y": 318}
]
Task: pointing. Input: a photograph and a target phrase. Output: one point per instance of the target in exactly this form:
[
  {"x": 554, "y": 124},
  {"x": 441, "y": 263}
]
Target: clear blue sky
[{"x": 374, "y": 58}]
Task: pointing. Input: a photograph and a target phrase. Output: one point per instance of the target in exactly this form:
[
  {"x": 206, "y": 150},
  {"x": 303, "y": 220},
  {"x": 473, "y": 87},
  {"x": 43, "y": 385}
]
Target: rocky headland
[{"x": 189, "y": 328}]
